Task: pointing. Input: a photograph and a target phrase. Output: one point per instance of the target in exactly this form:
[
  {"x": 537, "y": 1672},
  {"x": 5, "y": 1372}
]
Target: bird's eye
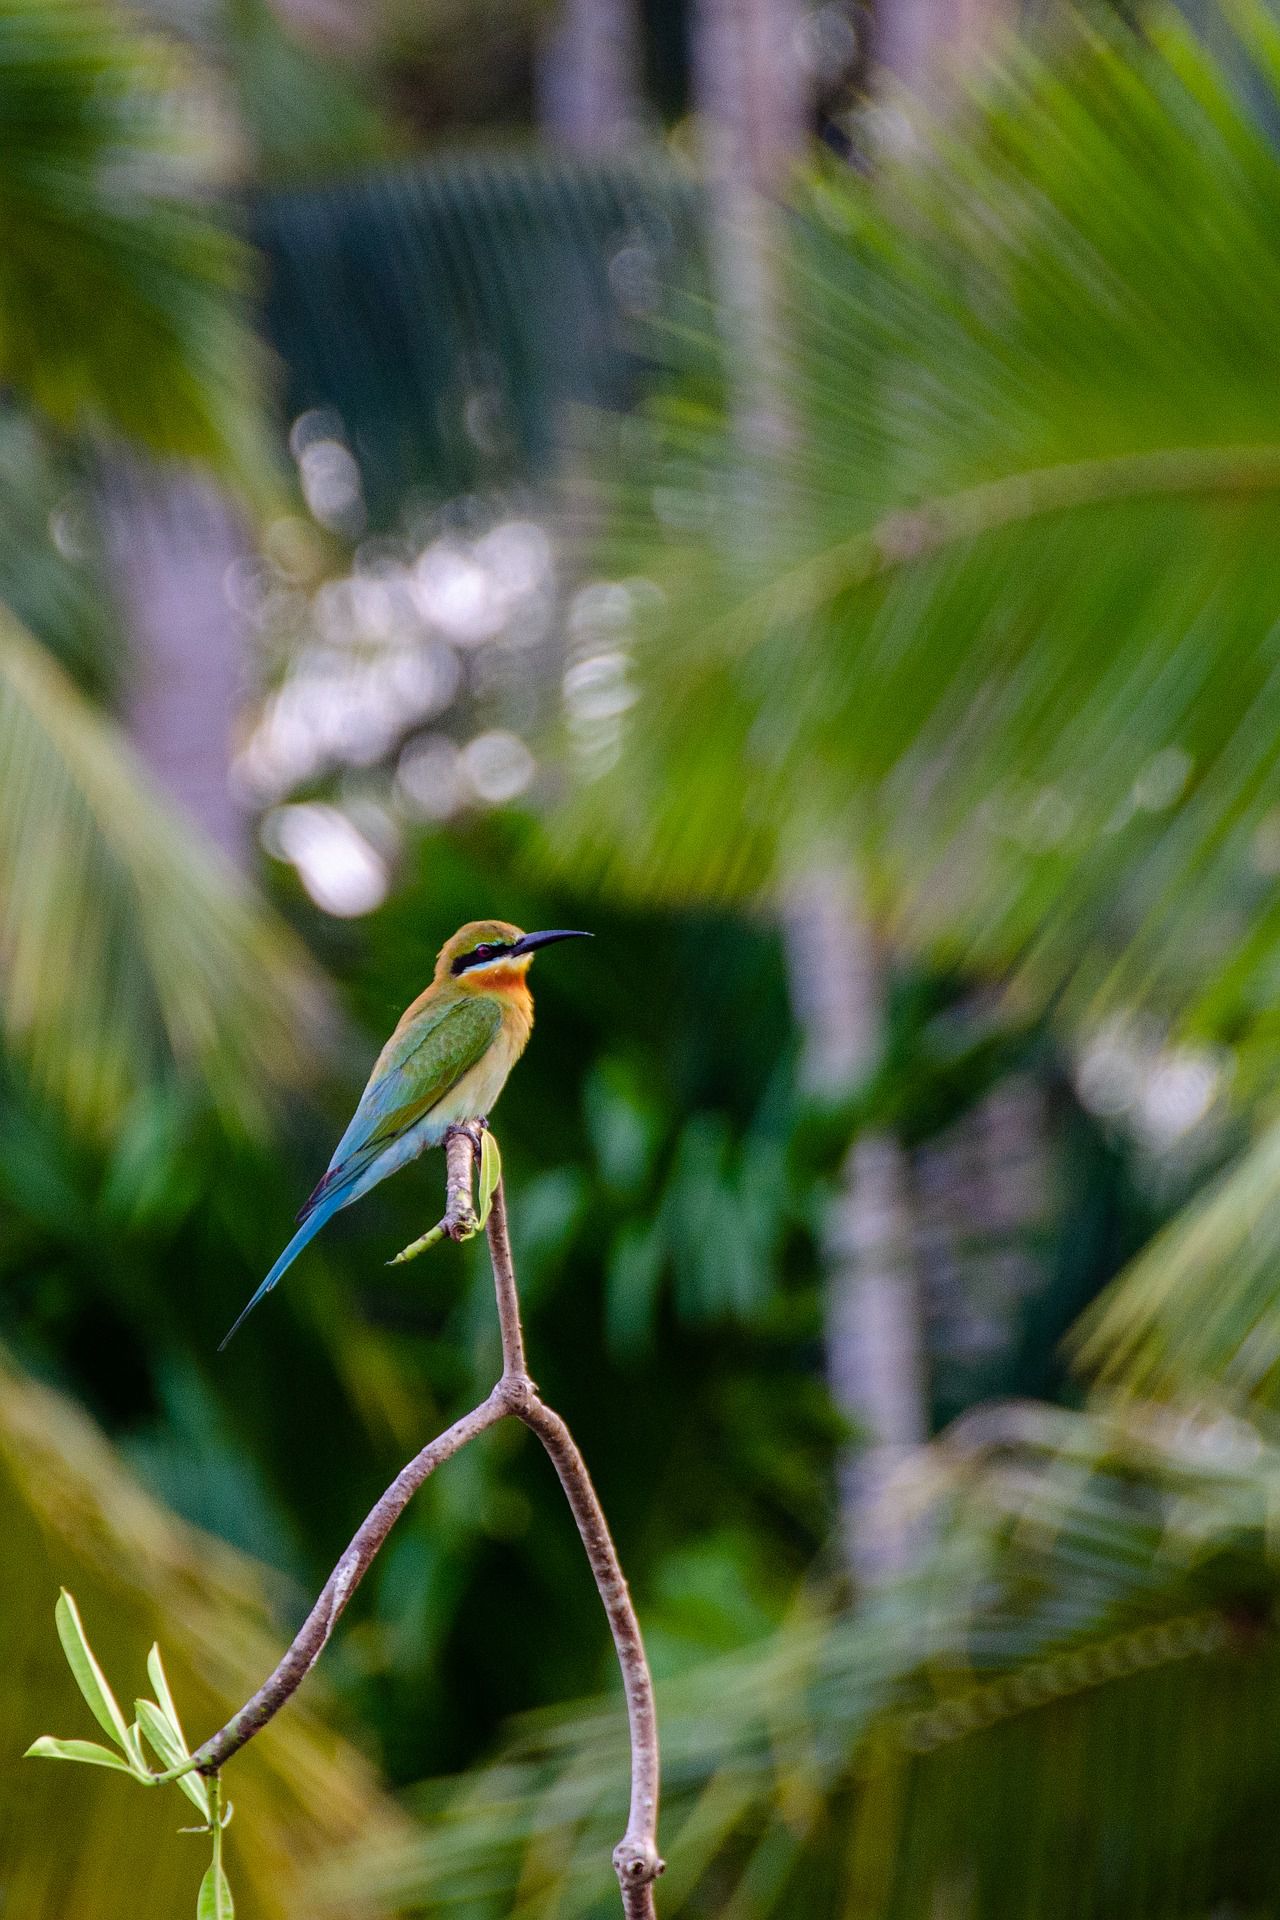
[{"x": 476, "y": 956}]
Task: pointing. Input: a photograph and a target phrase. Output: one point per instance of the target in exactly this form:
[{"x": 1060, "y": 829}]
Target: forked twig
[{"x": 636, "y": 1859}]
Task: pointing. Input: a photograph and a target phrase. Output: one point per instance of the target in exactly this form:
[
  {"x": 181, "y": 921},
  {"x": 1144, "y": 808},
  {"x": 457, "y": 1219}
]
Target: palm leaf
[
  {"x": 998, "y": 616},
  {"x": 48, "y": 543},
  {"x": 129, "y": 955},
  {"x": 1198, "y": 1312},
  {"x": 122, "y": 298}
]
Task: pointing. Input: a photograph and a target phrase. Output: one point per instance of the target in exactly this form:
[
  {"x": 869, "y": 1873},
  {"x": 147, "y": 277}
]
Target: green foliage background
[{"x": 994, "y": 629}]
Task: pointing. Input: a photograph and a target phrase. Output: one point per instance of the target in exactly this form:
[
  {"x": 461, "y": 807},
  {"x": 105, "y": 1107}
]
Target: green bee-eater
[{"x": 444, "y": 1066}]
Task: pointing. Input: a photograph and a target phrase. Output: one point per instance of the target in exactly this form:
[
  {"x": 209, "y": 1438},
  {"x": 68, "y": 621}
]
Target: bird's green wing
[{"x": 415, "y": 1070}]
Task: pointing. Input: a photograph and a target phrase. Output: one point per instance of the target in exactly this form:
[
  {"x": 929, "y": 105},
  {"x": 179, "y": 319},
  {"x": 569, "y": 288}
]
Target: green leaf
[
  {"x": 86, "y": 1751},
  {"x": 164, "y": 1696},
  {"x": 215, "y": 1902},
  {"x": 490, "y": 1173},
  {"x": 171, "y": 1749},
  {"x": 196, "y": 1788},
  {"x": 89, "y": 1676},
  {"x": 1197, "y": 1313},
  {"x": 460, "y": 212}
]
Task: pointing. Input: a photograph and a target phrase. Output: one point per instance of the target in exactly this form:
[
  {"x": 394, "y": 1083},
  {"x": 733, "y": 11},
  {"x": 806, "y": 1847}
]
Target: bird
[{"x": 443, "y": 1067}]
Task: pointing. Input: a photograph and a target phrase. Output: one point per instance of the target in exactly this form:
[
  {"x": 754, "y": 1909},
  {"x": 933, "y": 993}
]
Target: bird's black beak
[{"x": 530, "y": 942}]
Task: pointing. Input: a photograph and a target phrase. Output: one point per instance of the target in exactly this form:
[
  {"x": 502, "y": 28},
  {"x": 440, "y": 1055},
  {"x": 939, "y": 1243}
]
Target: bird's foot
[
  {"x": 461, "y": 1225},
  {"x": 461, "y": 1220}
]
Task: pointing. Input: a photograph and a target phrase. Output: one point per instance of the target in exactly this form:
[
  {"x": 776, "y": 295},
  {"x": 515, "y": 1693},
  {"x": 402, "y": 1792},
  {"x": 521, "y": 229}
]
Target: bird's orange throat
[
  {"x": 517, "y": 1005},
  {"x": 511, "y": 982}
]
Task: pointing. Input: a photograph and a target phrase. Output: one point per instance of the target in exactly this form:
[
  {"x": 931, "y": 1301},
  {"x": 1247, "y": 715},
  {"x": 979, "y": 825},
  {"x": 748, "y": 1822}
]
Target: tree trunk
[
  {"x": 876, "y": 1363},
  {"x": 752, "y": 109},
  {"x": 750, "y": 90},
  {"x": 588, "y": 75},
  {"x": 173, "y": 539},
  {"x": 925, "y": 44},
  {"x": 749, "y": 84}
]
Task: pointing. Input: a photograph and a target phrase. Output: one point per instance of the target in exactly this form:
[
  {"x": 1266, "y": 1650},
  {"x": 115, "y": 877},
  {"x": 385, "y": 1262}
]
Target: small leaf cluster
[{"x": 156, "y": 1722}]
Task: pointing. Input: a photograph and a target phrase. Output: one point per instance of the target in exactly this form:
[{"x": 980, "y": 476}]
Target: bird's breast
[{"x": 478, "y": 1089}]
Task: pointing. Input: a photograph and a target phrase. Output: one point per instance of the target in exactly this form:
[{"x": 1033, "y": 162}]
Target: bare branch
[
  {"x": 460, "y": 1149},
  {"x": 514, "y": 1366},
  {"x": 636, "y": 1859}
]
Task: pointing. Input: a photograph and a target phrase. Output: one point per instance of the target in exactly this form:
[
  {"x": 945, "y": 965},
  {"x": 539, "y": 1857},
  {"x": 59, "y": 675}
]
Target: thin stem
[
  {"x": 218, "y": 1823},
  {"x": 636, "y": 1860}
]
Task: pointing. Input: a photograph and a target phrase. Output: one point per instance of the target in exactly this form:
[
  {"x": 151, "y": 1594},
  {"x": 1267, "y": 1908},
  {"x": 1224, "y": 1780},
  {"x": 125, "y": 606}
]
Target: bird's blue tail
[{"x": 307, "y": 1231}]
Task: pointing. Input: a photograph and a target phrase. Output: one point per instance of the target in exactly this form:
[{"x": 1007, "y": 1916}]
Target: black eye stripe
[{"x": 478, "y": 955}]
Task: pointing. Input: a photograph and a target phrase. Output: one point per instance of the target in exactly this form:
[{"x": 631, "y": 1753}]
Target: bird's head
[{"x": 489, "y": 953}]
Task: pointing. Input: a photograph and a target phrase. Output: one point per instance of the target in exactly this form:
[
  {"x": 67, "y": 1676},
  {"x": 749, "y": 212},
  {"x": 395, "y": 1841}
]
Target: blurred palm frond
[
  {"x": 998, "y": 613},
  {"x": 129, "y": 955},
  {"x": 48, "y": 543},
  {"x": 1197, "y": 1314},
  {"x": 123, "y": 297},
  {"x": 1086, "y": 1652},
  {"x": 72, "y": 1515}
]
